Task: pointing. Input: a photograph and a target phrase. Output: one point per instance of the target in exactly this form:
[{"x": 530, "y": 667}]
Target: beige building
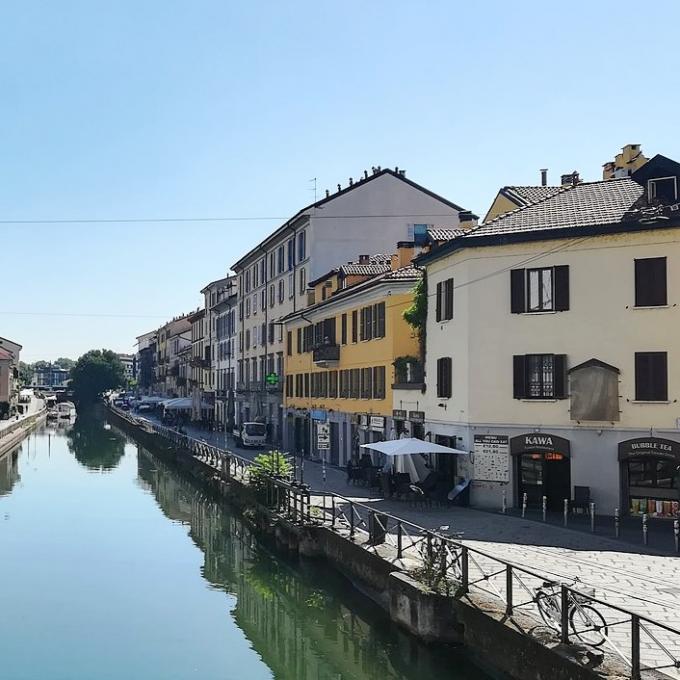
[
  {"x": 552, "y": 350},
  {"x": 9, "y": 376}
]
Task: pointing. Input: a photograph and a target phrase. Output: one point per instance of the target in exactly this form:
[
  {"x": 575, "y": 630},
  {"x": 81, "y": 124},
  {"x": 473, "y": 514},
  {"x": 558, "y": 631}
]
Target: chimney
[
  {"x": 467, "y": 220},
  {"x": 571, "y": 179},
  {"x": 544, "y": 177},
  {"x": 339, "y": 188},
  {"x": 365, "y": 174},
  {"x": 351, "y": 181},
  {"x": 328, "y": 193},
  {"x": 405, "y": 253},
  {"x": 363, "y": 259}
]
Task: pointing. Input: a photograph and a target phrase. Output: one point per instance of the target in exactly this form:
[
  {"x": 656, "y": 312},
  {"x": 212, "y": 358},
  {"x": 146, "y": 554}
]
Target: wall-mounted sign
[
  {"x": 323, "y": 436},
  {"x": 398, "y": 414},
  {"x": 416, "y": 416},
  {"x": 649, "y": 447},
  {"x": 318, "y": 414},
  {"x": 492, "y": 458},
  {"x": 377, "y": 423},
  {"x": 539, "y": 442},
  {"x": 354, "y": 418},
  {"x": 363, "y": 420}
]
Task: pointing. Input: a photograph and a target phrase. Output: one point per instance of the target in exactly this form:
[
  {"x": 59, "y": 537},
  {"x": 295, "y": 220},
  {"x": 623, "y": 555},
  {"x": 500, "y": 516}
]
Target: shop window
[
  {"x": 539, "y": 290},
  {"x": 650, "y": 282},
  {"x": 444, "y": 377},
  {"x": 539, "y": 376},
  {"x": 652, "y": 474},
  {"x": 445, "y": 300},
  {"x": 651, "y": 376}
]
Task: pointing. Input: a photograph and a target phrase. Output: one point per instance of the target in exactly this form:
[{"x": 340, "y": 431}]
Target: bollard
[
  {"x": 524, "y": 503},
  {"x": 504, "y": 503},
  {"x": 676, "y": 533},
  {"x": 566, "y": 512},
  {"x": 645, "y": 538},
  {"x": 545, "y": 507},
  {"x": 617, "y": 523},
  {"x": 592, "y": 518},
  {"x": 323, "y": 471}
]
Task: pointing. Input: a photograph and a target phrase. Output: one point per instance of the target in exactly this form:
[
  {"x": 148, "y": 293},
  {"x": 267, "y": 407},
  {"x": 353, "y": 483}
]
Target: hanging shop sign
[
  {"x": 318, "y": 414},
  {"x": 652, "y": 447},
  {"x": 323, "y": 436},
  {"x": 377, "y": 423},
  {"x": 416, "y": 416},
  {"x": 363, "y": 420},
  {"x": 492, "y": 458},
  {"x": 540, "y": 442},
  {"x": 398, "y": 414}
]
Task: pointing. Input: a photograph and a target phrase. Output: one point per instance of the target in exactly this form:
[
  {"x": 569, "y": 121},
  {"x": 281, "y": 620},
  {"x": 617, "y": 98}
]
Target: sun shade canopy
[{"x": 410, "y": 446}]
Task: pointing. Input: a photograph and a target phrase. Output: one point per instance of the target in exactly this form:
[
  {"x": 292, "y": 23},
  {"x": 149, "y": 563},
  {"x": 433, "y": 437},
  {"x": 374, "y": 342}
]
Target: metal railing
[{"x": 449, "y": 566}]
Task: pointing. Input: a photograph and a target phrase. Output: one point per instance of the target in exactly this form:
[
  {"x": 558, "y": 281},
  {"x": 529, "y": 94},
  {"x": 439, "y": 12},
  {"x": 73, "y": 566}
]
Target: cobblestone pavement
[{"x": 621, "y": 574}]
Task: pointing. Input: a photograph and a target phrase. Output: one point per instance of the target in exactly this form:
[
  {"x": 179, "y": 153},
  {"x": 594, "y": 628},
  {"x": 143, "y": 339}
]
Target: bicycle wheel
[
  {"x": 588, "y": 625},
  {"x": 548, "y": 610}
]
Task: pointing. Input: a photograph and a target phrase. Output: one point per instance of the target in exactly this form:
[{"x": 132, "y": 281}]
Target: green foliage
[
  {"x": 96, "y": 372},
  {"x": 270, "y": 464},
  {"x": 416, "y": 315},
  {"x": 65, "y": 362},
  {"x": 95, "y": 445},
  {"x": 25, "y": 373}
]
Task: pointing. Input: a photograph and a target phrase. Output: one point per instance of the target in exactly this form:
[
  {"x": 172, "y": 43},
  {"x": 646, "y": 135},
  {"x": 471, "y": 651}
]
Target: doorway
[{"x": 543, "y": 474}]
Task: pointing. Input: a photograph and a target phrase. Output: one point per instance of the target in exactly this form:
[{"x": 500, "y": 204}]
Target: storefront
[
  {"x": 542, "y": 468},
  {"x": 650, "y": 476}
]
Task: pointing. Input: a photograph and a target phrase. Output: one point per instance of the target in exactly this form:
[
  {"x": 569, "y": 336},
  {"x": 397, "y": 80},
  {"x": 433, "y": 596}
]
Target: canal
[{"x": 113, "y": 565}]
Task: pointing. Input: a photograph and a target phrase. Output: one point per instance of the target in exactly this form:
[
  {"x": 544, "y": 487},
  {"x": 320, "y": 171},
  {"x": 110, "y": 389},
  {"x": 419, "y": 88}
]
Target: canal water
[{"x": 115, "y": 566}]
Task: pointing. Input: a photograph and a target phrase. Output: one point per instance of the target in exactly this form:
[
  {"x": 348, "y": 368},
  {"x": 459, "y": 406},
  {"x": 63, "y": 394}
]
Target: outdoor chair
[{"x": 581, "y": 500}]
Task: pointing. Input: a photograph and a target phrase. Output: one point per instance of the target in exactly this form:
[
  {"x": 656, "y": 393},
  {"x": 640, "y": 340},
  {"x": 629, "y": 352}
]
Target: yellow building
[{"x": 341, "y": 352}]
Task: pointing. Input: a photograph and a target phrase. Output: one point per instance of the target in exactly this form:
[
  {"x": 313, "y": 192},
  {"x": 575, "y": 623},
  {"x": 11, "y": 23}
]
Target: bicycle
[{"x": 586, "y": 623}]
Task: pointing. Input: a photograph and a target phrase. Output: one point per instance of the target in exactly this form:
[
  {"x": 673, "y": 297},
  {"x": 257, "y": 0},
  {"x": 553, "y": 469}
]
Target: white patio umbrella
[{"x": 410, "y": 446}]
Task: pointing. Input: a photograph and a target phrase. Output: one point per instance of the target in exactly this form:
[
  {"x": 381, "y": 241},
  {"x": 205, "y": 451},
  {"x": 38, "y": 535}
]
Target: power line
[{"x": 111, "y": 316}]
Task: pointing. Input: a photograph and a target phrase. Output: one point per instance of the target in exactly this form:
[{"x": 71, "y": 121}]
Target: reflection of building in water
[
  {"x": 9, "y": 471},
  {"x": 295, "y": 621}
]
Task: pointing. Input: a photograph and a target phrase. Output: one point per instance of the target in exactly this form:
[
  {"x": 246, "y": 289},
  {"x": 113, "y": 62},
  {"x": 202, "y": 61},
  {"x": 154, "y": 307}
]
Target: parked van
[{"x": 251, "y": 434}]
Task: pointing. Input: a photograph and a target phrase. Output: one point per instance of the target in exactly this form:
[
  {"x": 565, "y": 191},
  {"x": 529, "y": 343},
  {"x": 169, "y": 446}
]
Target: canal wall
[
  {"x": 498, "y": 641},
  {"x": 14, "y": 434}
]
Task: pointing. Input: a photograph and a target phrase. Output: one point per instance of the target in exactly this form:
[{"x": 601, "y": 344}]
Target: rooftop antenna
[{"x": 314, "y": 188}]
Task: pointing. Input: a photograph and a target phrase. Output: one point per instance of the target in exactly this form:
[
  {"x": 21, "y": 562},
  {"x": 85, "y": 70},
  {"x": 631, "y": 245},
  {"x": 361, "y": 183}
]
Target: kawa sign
[{"x": 541, "y": 442}]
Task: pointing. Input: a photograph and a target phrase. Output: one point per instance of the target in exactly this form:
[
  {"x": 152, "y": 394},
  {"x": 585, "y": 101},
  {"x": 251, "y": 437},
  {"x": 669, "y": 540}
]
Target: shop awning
[
  {"x": 410, "y": 446},
  {"x": 180, "y": 404}
]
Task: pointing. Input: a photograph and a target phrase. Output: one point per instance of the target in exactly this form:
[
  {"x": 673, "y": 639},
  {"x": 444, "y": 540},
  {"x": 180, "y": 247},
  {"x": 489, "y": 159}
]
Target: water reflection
[
  {"x": 300, "y": 619},
  {"x": 9, "y": 471},
  {"x": 94, "y": 443}
]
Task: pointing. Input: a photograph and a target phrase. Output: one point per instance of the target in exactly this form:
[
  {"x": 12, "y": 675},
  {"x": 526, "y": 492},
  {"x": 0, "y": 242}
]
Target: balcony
[
  {"x": 326, "y": 355},
  {"x": 197, "y": 362}
]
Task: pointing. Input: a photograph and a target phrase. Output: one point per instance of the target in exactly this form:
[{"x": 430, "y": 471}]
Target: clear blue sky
[{"x": 182, "y": 109}]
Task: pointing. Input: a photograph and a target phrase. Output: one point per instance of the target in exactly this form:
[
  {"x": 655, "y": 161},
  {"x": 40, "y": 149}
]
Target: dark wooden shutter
[
  {"x": 519, "y": 376},
  {"x": 560, "y": 376},
  {"x": 562, "y": 288},
  {"x": 517, "y": 291},
  {"x": 651, "y": 376},
  {"x": 448, "y": 299},
  {"x": 650, "y": 282},
  {"x": 343, "y": 329},
  {"x": 439, "y": 301},
  {"x": 354, "y": 326}
]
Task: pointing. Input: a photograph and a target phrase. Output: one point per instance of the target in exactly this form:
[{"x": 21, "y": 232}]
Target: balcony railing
[{"x": 326, "y": 354}]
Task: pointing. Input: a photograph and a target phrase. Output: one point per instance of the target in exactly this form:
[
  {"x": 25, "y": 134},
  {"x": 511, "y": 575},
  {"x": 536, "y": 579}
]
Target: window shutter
[
  {"x": 439, "y": 301},
  {"x": 448, "y": 298},
  {"x": 562, "y": 288},
  {"x": 651, "y": 376},
  {"x": 660, "y": 376},
  {"x": 519, "y": 376},
  {"x": 362, "y": 333},
  {"x": 650, "y": 282},
  {"x": 560, "y": 376},
  {"x": 517, "y": 291}
]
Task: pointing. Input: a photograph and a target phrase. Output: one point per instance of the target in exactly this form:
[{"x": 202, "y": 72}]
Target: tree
[
  {"x": 25, "y": 373},
  {"x": 65, "y": 362},
  {"x": 96, "y": 372},
  {"x": 95, "y": 445},
  {"x": 416, "y": 314}
]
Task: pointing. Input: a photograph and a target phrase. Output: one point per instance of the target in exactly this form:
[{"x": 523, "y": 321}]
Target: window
[
  {"x": 650, "y": 282},
  {"x": 289, "y": 343},
  {"x": 291, "y": 253},
  {"x": 302, "y": 246},
  {"x": 651, "y": 376},
  {"x": 299, "y": 340},
  {"x": 263, "y": 299},
  {"x": 540, "y": 376},
  {"x": 271, "y": 333},
  {"x": 256, "y": 275},
  {"x": 379, "y": 382},
  {"x": 272, "y": 271},
  {"x": 263, "y": 333},
  {"x": 445, "y": 300},
  {"x": 344, "y": 384},
  {"x": 366, "y": 323},
  {"x": 282, "y": 290},
  {"x": 323, "y": 384},
  {"x": 247, "y": 307},
  {"x": 272, "y": 295},
  {"x": 379, "y": 320},
  {"x": 254, "y": 304},
  {"x": 354, "y": 387},
  {"x": 419, "y": 234},
  {"x": 306, "y": 384},
  {"x": 303, "y": 281},
  {"x": 539, "y": 290},
  {"x": 343, "y": 329},
  {"x": 291, "y": 285},
  {"x": 263, "y": 270},
  {"x": 652, "y": 474},
  {"x": 333, "y": 384},
  {"x": 664, "y": 189},
  {"x": 366, "y": 383},
  {"x": 289, "y": 386},
  {"x": 248, "y": 281},
  {"x": 248, "y": 339},
  {"x": 254, "y": 336},
  {"x": 240, "y": 311},
  {"x": 354, "y": 326},
  {"x": 281, "y": 255},
  {"x": 444, "y": 372}
]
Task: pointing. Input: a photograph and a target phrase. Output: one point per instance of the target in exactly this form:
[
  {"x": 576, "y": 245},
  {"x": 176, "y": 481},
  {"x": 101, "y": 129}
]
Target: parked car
[{"x": 251, "y": 434}]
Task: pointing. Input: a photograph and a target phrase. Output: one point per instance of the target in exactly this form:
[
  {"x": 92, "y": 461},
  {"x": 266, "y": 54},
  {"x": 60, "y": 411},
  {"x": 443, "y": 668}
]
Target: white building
[
  {"x": 370, "y": 215},
  {"x": 129, "y": 362},
  {"x": 552, "y": 349},
  {"x": 224, "y": 310}
]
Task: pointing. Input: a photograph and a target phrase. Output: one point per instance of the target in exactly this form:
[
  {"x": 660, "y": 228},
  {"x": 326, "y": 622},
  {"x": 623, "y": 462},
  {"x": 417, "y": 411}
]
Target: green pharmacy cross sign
[{"x": 272, "y": 379}]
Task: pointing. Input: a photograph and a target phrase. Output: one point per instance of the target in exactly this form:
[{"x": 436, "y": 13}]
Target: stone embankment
[
  {"x": 14, "y": 432},
  {"x": 505, "y": 636}
]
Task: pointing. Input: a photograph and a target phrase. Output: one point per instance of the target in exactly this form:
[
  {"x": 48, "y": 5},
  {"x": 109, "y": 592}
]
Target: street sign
[
  {"x": 272, "y": 379},
  {"x": 323, "y": 436}
]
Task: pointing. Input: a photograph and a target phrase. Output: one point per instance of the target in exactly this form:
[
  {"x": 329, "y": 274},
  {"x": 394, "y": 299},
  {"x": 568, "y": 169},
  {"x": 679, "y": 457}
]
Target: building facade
[
  {"x": 343, "y": 357},
  {"x": 50, "y": 377},
  {"x": 129, "y": 362},
  {"x": 225, "y": 310},
  {"x": 551, "y": 352},
  {"x": 368, "y": 216},
  {"x": 9, "y": 377}
]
